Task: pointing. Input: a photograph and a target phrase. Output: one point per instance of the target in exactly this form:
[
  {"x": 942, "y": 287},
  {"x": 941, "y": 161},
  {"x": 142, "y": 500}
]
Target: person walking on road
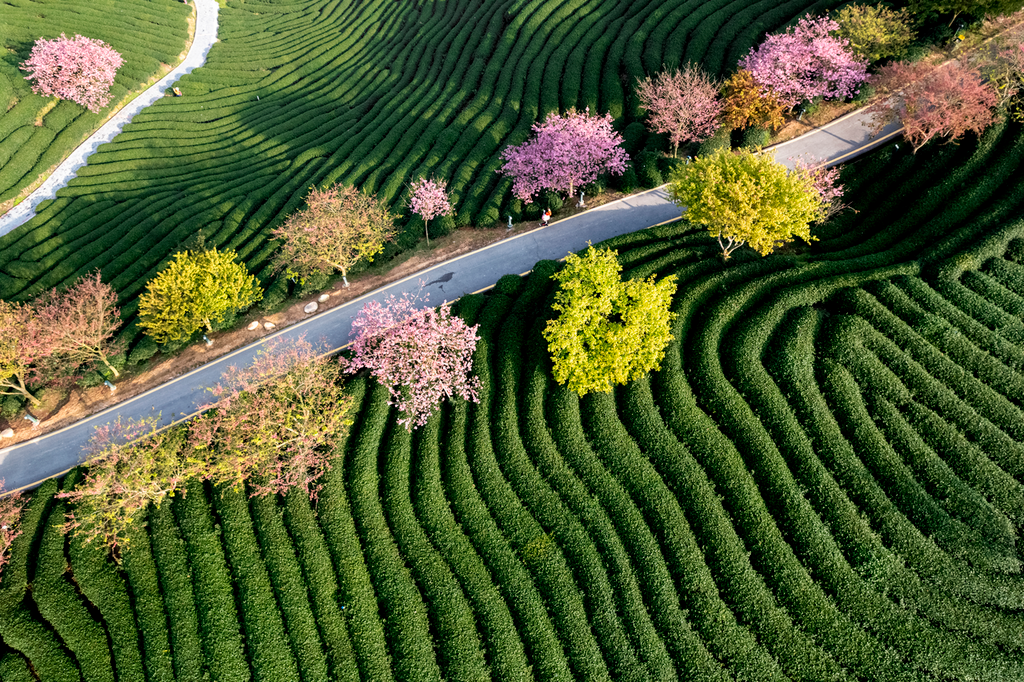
[{"x": 545, "y": 217}]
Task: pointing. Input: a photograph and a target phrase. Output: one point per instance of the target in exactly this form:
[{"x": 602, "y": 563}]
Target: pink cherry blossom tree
[
  {"x": 564, "y": 153},
  {"x": 429, "y": 199},
  {"x": 422, "y": 355},
  {"x": 80, "y": 322},
  {"x": 933, "y": 102},
  {"x": 684, "y": 104},
  {"x": 275, "y": 421},
  {"x": 11, "y": 505},
  {"x": 825, "y": 182},
  {"x": 22, "y": 349},
  {"x": 807, "y": 61},
  {"x": 79, "y": 69}
]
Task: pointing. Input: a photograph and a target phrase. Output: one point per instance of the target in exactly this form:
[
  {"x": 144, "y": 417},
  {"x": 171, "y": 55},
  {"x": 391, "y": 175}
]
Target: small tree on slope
[
  {"x": 22, "y": 348},
  {"x": 194, "y": 291},
  {"x": 429, "y": 199},
  {"x": 79, "y": 69},
  {"x": 338, "y": 227},
  {"x": 948, "y": 101},
  {"x": 565, "y": 153},
  {"x": 80, "y": 322},
  {"x": 745, "y": 198},
  {"x": 422, "y": 355},
  {"x": 806, "y": 62},
  {"x": 684, "y": 104},
  {"x": 608, "y": 331}
]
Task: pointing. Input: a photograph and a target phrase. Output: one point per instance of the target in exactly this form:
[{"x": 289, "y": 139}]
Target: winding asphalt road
[{"x": 27, "y": 464}]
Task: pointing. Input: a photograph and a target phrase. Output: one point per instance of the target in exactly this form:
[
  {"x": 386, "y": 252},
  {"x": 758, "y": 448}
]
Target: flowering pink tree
[
  {"x": 22, "y": 349},
  {"x": 275, "y": 422},
  {"x": 11, "y": 505},
  {"x": 79, "y": 69},
  {"x": 565, "y": 152},
  {"x": 807, "y": 62},
  {"x": 825, "y": 182},
  {"x": 429, "y": 199},
  {"x": 948, "y": 101},
  {"x": 423, "y": 356},
  {"x": 684, "y": 104},
  {"x": 80, "y": 322}
]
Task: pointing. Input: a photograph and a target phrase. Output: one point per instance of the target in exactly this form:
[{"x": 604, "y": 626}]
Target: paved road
[
  {"x": 29, "y": 463},
  {"x": 204, "y": 38}
]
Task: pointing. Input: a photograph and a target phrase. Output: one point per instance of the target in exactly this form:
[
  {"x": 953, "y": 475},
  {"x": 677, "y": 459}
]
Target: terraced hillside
[
  {"x": 35, "y": 134},
  {"x": 823, "y": 482},
  {"x": 374, "y": 93}
]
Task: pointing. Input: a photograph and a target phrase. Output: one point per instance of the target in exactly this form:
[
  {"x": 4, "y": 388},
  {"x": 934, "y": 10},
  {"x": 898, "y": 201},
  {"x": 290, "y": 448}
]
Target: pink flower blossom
[
  {"x": 684, "y": 104},
  {"x": 79, "y": 69},
  {"x": 825, "y": 182},
  {"x": 422, "y": 355},
  {"x": 807, "y": 62},
  {"x": 429, "y": 199},
  {"x": 564, "y": 153}
]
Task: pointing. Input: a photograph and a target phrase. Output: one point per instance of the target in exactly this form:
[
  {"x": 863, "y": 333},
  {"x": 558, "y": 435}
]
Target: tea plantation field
[
  {"x": 825, "y": 481},
  {"x": 34, "y": 134},
  {"x": 373, "y": 93}
]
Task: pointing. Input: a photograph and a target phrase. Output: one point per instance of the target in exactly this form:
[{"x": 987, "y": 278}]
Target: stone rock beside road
[
  {"x": 253, "y": 325},
  {"x": 323, "y": 297},
  {"x": 269, "y": 325},
  {"x": 311, "y": 307},
  {"x": 7, "y": 433}
]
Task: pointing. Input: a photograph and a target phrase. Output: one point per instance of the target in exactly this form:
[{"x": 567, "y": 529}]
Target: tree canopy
[
  {"x": 564, "y": 153},
  {"x": 934, "y": 102},
  {"x": 339, "y": 227},
  {"x": 684, "y": 104},
  {"x": 874, "y": 32},
  {"x": 423, "y": 355},
  {"x": 608, "y": 331},
  {"x": 746, "y": 198},
  {"x": 747, "y": 103},
  {"x": 194, "y": 291},
  {"x": 79, "y": 69},
  {"x": 806, "y": 61}
]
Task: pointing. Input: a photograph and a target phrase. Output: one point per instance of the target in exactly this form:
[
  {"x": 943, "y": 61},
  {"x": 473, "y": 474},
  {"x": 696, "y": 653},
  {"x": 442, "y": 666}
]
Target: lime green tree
[
  {"x": 608, "y": 331},
  {"x": 875, "y": 31},
  {"x": 747, "y": 198},
  {"x": 193, "y": 292}
]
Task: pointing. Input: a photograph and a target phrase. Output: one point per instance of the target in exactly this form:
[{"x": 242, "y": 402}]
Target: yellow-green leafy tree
[
  {"x": 608, "y": 331},
  {"x": 875, "y": 31},
  {"x": 194, "y": 291},
  {"x": 747, "y": 198}
]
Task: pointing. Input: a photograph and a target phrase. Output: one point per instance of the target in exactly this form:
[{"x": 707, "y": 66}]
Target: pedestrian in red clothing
[{"x": 545, "y": 217}]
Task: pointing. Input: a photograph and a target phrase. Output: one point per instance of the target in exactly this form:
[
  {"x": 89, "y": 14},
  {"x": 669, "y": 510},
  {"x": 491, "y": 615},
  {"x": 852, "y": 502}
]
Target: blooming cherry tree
[
  {"x": 807, "y": 61},
  {"x": 948, "y": 101},
  {"x": 565, "y": 152},
  {"x": 684, "y": 104},
  {"x": 22, "y": 348},
  {"x": 79, "y": 69},
  {"x": 422, "y": 355},
  {"x": 429, "y": 199},
  {"x": 80, "y": 322}
]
